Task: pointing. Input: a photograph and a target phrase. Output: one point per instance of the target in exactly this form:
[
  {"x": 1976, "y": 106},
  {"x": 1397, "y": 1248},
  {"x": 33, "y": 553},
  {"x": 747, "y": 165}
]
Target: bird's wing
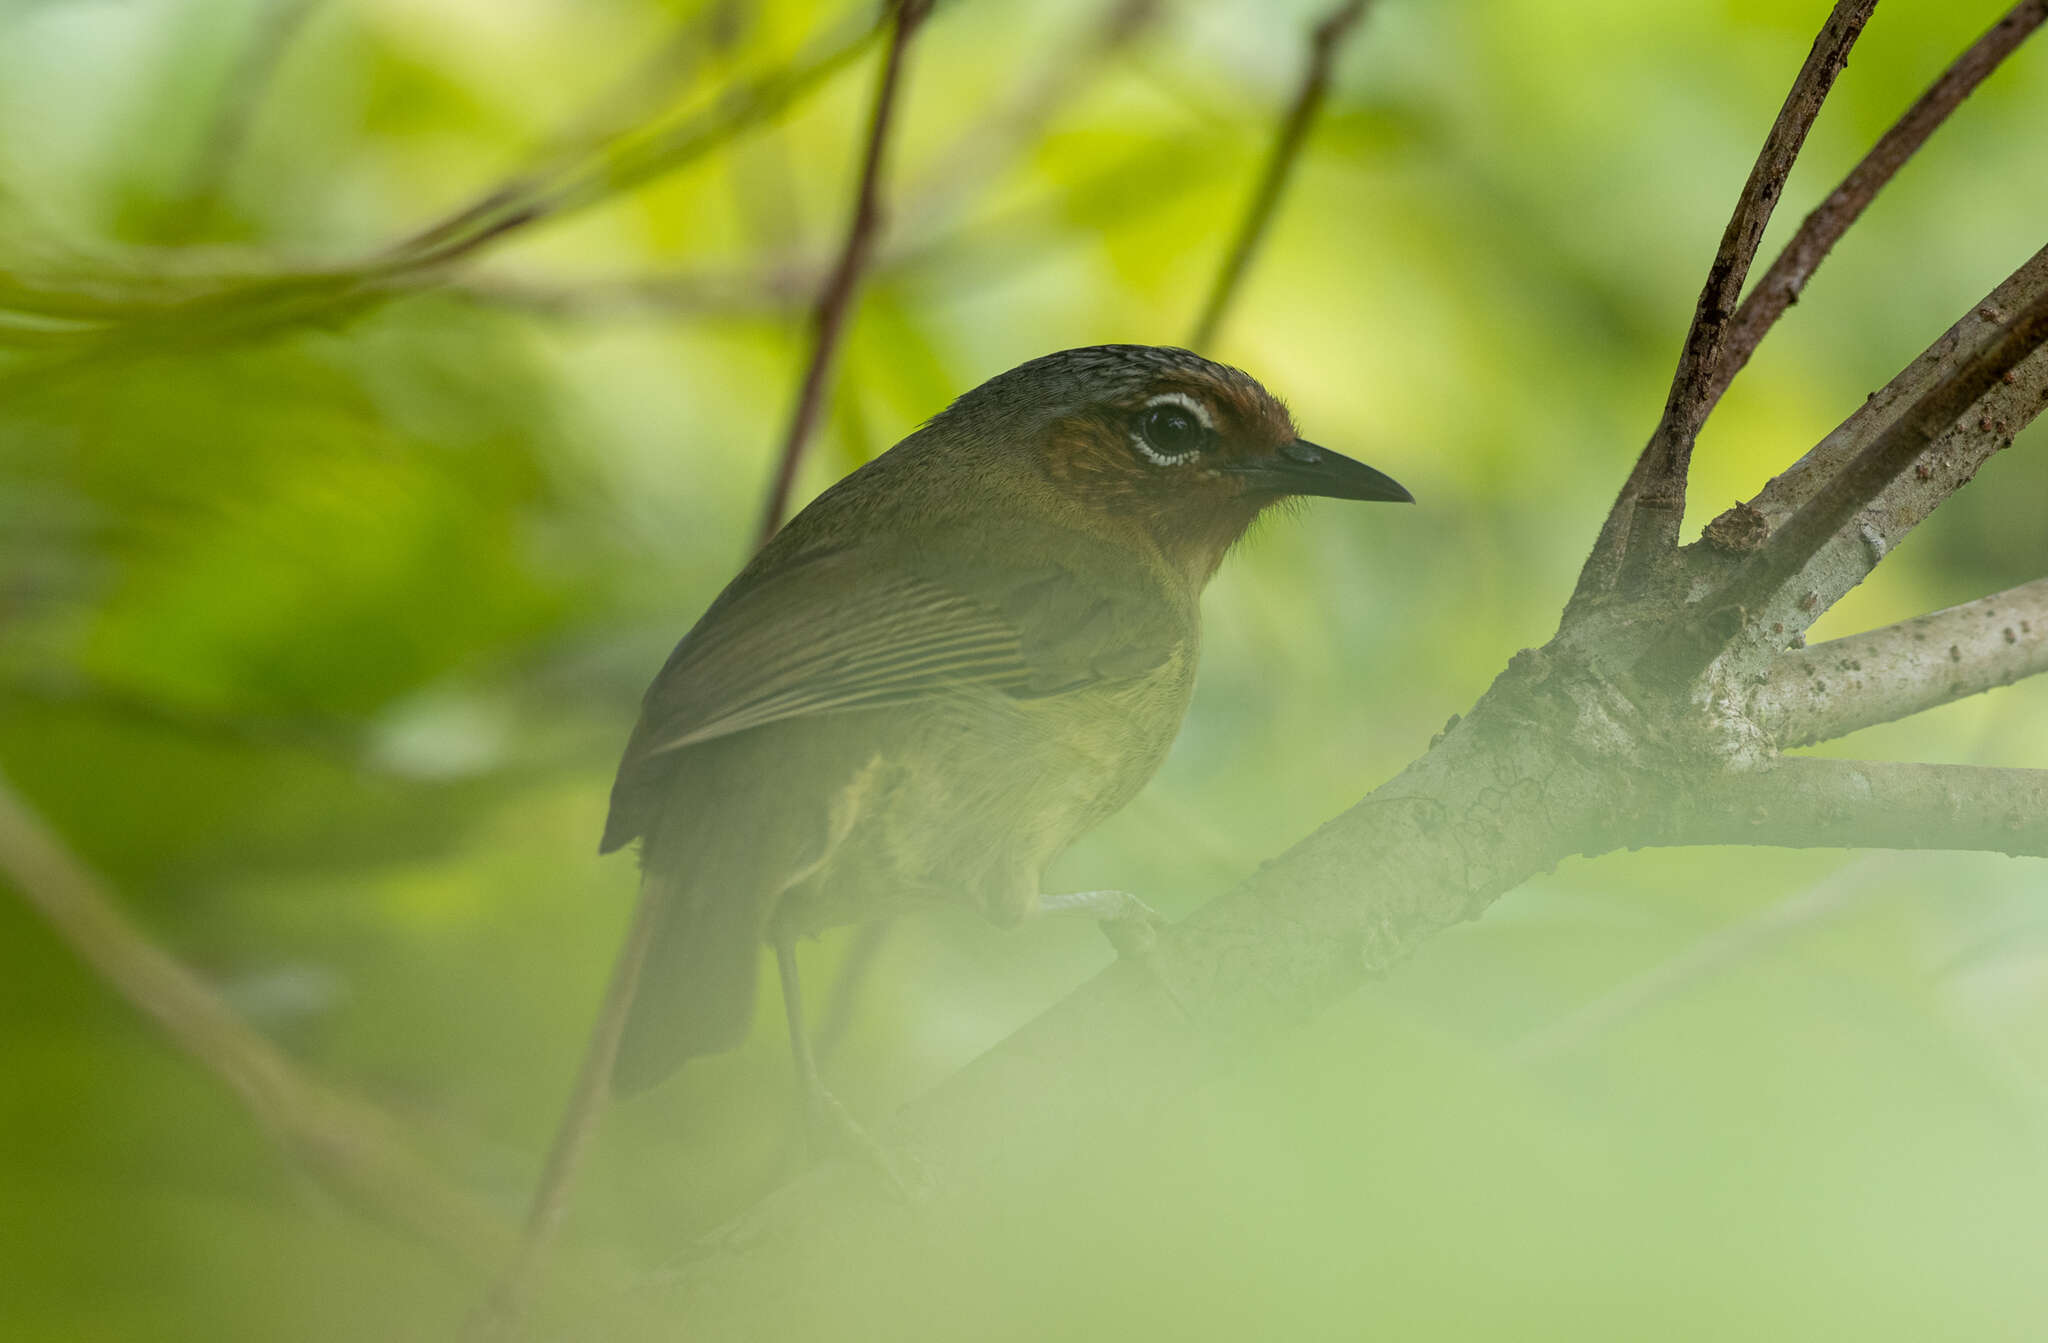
[{"x": 870, "y": 625}]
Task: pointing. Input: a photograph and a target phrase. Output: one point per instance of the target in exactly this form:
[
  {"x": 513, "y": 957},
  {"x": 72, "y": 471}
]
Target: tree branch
[
  {"x": 1809, "y": 803},
  {"x": 1324, "y": 42},
  {"x": 1782, "y": 284},
  {"x": 1983, "y": 431},
  {"x": 1832, "y": 689},
  {"x": 1888, "y": 455},
  {"x": 1643, "y": 523},
  {"x": 835, "y": 298},
  {"x": 351, "y": 1147}
]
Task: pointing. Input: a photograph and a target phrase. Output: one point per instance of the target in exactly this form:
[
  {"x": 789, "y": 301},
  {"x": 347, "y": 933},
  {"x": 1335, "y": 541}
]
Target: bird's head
[{"x": 1188, "y": 449}]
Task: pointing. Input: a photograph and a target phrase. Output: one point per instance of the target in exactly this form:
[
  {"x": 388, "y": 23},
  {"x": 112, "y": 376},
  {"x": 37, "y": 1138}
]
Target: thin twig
[
  {"x": 835, "y": 297},
  {"x": 350, "y": 1146},
  {"x": 1782, "y": 284},
  {"x": 1702, "y": 960},
  {"x": 1324, "y": 42},
  {"x": 1643, "y": 524},
  {"x": 1888, "y": 455},
  {"x": 568, "y": 180},
  {"x": 504, "y": 1307},
  {"x": 241, "y": 97}
]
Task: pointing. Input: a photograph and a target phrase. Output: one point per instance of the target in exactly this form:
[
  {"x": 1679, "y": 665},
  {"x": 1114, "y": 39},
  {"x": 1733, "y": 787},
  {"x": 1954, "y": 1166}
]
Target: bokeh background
[{"x": 320, "y": 630}]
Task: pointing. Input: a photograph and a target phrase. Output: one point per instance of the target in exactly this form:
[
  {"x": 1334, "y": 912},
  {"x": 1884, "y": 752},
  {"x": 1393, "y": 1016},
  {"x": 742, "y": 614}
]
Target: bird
[{"x": 939, "y": 674}]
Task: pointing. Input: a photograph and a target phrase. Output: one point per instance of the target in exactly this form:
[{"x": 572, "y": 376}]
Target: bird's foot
[
  {"x": 1131, "y": 925},
  {"x": 831, "y": 1130}
]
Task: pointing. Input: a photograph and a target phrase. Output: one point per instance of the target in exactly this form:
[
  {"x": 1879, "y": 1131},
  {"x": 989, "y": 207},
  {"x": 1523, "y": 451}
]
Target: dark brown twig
[
  {"x": 1782, "y": 284},
  {"x": 1324, "y": 42},
  {"x": 348, "y": 1145},
  {"x": 1643, "y": 524},
  {"x": 835, "y": 297}
]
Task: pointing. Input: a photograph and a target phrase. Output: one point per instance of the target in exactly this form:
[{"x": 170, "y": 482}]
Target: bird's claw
[
  {"x": 832, "y": 1130},
  {"x": 1132, "y": 927}
]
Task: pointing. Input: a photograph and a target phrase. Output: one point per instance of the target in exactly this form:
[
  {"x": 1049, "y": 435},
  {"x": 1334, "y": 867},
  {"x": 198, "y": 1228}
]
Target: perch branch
[
  {"x": 1324, "y": 42},
  {"x": 835, "y": 297},
  {"x": 1642, "y": 526},
  {"x": 1782, "y": 284},
  {"x": 348, "y": 1145},
  {"x": 1832, "y": 689}
]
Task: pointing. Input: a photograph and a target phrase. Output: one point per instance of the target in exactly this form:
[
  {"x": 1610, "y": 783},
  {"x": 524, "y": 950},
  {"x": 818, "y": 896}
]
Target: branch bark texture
[{"x": 1832, "y": 689}]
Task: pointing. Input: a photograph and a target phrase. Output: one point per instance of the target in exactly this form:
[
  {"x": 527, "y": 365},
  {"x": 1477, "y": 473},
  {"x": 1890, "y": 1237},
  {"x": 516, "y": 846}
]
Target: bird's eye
[{"x": 1171, "y": 431}]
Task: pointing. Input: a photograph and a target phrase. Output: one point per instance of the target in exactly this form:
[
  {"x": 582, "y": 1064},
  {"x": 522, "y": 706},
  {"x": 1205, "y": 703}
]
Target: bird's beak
[{"x": 1302, "y": 467}]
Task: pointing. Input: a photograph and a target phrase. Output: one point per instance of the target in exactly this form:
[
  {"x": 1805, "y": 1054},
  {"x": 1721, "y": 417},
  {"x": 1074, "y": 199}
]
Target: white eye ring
[{"x": 1185, "y": 402}]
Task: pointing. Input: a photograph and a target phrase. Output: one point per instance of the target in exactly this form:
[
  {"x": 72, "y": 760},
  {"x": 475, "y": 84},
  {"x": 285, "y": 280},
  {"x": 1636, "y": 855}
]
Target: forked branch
[
  {"x": 1643, "y": 524},
  {"x": 1890, "y": 454}
]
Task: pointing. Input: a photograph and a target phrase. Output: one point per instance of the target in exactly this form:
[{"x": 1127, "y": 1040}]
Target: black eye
[{"x": 1172, "y": 430}]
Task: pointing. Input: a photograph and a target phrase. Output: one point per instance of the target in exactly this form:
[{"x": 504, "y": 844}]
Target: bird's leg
[
  {"x": 1131, "y": 925},
  {"x": 827, "y": 1123}
]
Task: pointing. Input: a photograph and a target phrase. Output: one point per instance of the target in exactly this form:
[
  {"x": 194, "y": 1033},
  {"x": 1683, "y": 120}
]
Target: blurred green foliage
[{"x": 326, "y": 607}]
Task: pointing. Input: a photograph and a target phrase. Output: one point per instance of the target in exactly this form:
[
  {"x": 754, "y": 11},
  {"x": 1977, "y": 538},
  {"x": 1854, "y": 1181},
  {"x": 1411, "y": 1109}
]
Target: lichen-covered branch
[{"x": 1832, "y": 689}]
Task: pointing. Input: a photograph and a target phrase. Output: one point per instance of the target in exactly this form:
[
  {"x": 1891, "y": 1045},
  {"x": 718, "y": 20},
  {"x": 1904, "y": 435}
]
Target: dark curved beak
[{"x": 1302, "y": 467}]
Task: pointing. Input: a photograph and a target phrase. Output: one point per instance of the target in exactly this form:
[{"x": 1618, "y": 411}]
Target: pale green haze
[{"x": 326, "y": 605}]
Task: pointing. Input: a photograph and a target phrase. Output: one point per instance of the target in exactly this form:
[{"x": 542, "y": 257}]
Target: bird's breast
[{"x": 967, "y": 799}]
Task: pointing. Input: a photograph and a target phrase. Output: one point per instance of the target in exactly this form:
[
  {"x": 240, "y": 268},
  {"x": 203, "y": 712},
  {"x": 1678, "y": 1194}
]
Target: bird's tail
[{"x": 696, "y": 987}]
